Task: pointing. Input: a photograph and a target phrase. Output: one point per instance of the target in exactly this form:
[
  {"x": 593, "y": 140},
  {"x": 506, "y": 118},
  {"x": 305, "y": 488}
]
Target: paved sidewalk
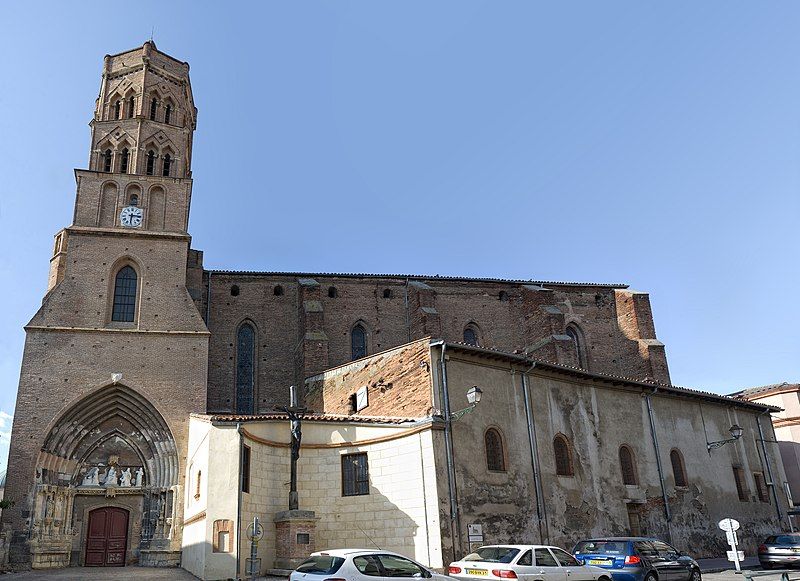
[{"x": 103, "y": 574}]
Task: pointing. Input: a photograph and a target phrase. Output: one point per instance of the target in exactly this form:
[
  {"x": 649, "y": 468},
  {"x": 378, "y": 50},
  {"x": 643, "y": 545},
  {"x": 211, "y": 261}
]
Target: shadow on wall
[{"x": 200, "y": 561}]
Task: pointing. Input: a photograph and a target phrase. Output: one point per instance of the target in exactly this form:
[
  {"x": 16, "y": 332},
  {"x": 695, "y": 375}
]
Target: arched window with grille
[
  {"x": 153, "y": 109},
  {"x": 563, "y": 455},
  {"x": 131, "y": 106},
  {"x": 167, "y": 164},
  {"x": 167, "y": 113},
  {"x": 107, "y": 160},
  {"x": 124, "y": 308},
  {"x": 678, "y": 468},
  {"x": 628, "y": 466},
  {"x": 576, "y": 336},
  {"x": 151, "y": 162},
  {"x": 123, "y": 164},
  {"x": 495, "y": 454},
  {"x": 358, "y": 342},
  {"x": 471, "y": 335},
  {"x": 245, "y": 368}
]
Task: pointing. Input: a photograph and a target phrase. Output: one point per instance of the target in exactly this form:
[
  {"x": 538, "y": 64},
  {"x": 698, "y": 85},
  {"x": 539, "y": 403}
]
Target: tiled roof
[
  {"x": 765, "y": 390},
  {"x": 414, "y": 277},
  {"x": 309, "y": 417},
  {"x": 576, "y": 371}
]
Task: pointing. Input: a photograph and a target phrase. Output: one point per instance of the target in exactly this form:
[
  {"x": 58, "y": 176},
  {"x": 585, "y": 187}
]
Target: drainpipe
[
  {"x": 408, "y": 316},
  {"x": 769, "y": 468},
  {"x": 537, "y": 482},
  {"x": 667, "y": 513},
  {"x": 238, "y": 492},
  {"x": 208, "y": 299},
  {"x": 455, "y": 521}
]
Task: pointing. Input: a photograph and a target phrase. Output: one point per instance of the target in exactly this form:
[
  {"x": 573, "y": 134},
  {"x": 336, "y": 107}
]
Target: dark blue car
[{"x": 638, "y": 559}]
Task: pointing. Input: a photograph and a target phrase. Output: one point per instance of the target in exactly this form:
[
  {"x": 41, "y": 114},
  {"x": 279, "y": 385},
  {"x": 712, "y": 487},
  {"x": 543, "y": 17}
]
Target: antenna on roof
[
  {"x": 368, "y": 537},
  {"x": 152, "y": 30}
]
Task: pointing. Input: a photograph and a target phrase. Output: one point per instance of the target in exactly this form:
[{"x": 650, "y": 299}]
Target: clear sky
[{"x": 651, "y": 143}]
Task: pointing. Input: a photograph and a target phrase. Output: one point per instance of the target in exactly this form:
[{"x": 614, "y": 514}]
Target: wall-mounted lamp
[
  {"x": 473, "y": 398},
  {"x": 736, "y": 433}
]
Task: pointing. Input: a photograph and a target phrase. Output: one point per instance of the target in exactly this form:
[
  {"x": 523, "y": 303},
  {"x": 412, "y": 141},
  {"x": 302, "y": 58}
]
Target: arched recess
[
  {"x": 107, "y": 211},
  {"x": 156, "y": 211},
  {"x": 472, "y": 334},
  {"x": 575, "y": 333},
  {"x": 114, "y": 421}
]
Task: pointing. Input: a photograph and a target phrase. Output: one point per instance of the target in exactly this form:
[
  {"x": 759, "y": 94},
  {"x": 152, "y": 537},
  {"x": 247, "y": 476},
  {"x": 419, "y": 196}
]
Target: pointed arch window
[
  {"x": 124, "y": 309},
  {"x": 575, "y": 335},
  {"x": 107, "y": 160},
  {"x": 131, "y": 106},
  {"x": 678, "y": 468},
  {"x": 245, "y": 368},
  {"x": 167, "y": 164},
  {"x": 563, "y": 456},
  {"x": 153, "y": 109},
  {"x": 167, "y": 113},
  {"x": 151, "y": 162},
  {"x": 495, "y": 455},
  {"x": 358, "y": 342},
  {"x": 471, "y": 336},
  {"x": 123, "y": 164},
  {"x": 117, "y": 108},
  {"x": 628, "y": 466}
]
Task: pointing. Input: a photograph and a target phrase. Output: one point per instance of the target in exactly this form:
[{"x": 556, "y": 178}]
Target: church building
[{"x": 438, "y": 412}]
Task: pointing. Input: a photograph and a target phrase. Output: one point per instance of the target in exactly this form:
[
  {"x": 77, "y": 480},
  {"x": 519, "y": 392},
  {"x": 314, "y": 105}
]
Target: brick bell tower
[{"x": 116, "y": 358}]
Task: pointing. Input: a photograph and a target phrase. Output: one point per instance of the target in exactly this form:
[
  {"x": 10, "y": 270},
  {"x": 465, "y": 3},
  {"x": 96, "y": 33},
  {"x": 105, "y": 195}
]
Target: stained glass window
[
  {"x": 124, "y": 296},
  {"x": 358, "y": 342},
  {"x": 245, "y": 348}
]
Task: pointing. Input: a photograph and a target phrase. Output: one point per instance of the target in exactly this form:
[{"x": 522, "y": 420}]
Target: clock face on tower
[{"x": 131, "y": 217}]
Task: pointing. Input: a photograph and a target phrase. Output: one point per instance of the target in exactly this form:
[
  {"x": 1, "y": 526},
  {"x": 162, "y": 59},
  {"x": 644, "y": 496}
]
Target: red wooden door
[{"x": 107, "y": 538}]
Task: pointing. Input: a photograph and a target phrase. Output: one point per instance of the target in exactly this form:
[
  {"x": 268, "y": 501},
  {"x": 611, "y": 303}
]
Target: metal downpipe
[
  {"x": 769, "y": 469},
  {"x": 455, "y": 521},
  {"x": 238, "y": 497},
  {"x": 537, "y": 481},
  {"x": 667, "y": 512}
]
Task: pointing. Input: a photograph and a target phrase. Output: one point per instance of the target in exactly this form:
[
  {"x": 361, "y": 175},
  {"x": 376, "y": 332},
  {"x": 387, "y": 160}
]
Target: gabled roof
[
  {"x": 764, "y": 390},
  {"x": 414, "y": 277}
]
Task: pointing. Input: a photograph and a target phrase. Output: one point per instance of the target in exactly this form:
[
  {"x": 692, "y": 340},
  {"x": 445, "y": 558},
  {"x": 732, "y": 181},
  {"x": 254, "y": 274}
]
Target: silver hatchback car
[
  {"x": 362, "y": 565},
  {"x": 780, "y": 550}
]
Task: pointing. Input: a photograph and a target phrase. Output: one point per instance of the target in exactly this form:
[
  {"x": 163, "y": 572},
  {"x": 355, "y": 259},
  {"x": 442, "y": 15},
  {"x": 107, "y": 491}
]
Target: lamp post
[
  {"x": 473, "y": 398},
  {"x": 736, "y": 433}
]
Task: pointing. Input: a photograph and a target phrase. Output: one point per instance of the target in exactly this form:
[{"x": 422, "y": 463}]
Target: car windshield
[
  {"x": 321, "y": 565},
  {"x": 493, "y": 554},
  {"x": 602, "y": 547},
  {"x": 784, "y": 540}
]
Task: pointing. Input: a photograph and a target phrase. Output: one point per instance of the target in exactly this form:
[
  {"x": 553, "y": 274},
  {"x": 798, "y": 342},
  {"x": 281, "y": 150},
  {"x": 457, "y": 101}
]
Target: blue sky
[{"x": 655, "y": 144}]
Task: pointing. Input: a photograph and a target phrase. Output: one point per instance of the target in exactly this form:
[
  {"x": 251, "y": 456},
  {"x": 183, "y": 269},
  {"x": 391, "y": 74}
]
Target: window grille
[
  {"x": 124, "y": 296},
  {"x": 495, "y": 457},
  {"x": 355, "y": 474},
  {"x": 470, "y": 336},
  {"x": 678, "y": 468},
  {"x": 627, "y": 465},
  {"x": 741, "y": 484},
  {"x": 563, "y": 455}
]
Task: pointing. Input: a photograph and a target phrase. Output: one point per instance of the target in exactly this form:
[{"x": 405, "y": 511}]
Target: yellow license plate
[
  {"x": 598, "y": 562},
  {"x": 481, "y": 572}
]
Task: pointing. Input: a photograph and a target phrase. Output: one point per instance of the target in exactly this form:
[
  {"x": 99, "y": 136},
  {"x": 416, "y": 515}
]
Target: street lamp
[
  {"x": 736, "y": 433},
  {"x": 473, "y": 398}
]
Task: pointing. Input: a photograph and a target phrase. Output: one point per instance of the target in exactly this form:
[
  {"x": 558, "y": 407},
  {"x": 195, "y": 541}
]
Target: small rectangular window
[
  {"x": 741, "y": 484},
  {"x": 761, "y": 486},
  {"x": 245, "y": 469},
  {"x": 355, "y": 474}
]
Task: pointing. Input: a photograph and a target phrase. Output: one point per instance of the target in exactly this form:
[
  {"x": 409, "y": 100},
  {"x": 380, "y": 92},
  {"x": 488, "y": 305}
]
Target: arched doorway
[{"x": 107, "y": 537}]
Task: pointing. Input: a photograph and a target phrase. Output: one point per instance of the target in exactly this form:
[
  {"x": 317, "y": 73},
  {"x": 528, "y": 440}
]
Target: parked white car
[
  {"x": 524, "y": 562},
  {"x": 361, "y": 565}
]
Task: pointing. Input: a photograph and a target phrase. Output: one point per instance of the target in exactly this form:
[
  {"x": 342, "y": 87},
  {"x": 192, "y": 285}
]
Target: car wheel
[
  {"x": 695, "y": 575},
  {"x": 651, "y": 577},
  {"x": 603, "y": 578}
]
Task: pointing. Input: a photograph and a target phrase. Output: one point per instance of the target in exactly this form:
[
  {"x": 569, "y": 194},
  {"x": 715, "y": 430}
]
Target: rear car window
[
  {"x": 602, "y": 548},
  {"x": 544, "y": 558},
  {"x": 564, "y": 558},
  {"x": 368, "y": 565},
  {"x": 400, "y": 567},
  {"x": 493, "y": 554},
  {"x": 321, "y": 565},
  {"x": 784, "y": 540}
]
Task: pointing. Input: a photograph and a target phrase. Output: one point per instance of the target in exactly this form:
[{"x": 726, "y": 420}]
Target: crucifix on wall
[{"x": 295, "y": 413}]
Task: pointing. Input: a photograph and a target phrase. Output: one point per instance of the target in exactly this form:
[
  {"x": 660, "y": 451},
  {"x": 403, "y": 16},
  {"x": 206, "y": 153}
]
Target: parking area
[{"x": 102, "y": 574}]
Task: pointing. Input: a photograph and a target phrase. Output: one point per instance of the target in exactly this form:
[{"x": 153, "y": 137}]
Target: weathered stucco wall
[{"x": 598, "y": 418}]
